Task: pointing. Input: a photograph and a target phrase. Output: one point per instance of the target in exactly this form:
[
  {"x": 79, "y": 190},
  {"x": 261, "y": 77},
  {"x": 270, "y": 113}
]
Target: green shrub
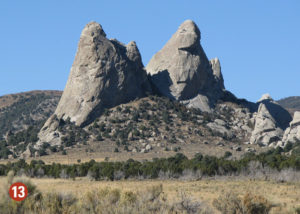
[
  {"x": 99, "y": 137},
  {"x": 227, "y": 154}
]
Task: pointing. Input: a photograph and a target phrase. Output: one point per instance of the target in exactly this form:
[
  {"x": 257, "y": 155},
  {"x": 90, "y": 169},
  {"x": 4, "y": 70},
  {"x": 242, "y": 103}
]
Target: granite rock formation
[
  {"x": 292, "y": 133},
  {"x": 182, "y": 71},
  {"x": 105, "y": 73},
  {"x": 270, "y": 122}
]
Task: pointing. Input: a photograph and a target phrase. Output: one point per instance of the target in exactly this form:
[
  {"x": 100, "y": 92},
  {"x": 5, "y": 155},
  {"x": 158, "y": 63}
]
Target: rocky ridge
[
  {"x": 158, "y": 126},
  {"x": 19, "y": 111},
  {"x": 106, "y": 74},
  {"x": 292, "y": 104}
]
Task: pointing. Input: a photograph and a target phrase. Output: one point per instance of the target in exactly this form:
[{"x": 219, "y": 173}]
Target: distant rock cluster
[
  {"x": 292, "y": 133},
  {"x": 107, "y": 73},
  {"x": 270, "y": 122}
]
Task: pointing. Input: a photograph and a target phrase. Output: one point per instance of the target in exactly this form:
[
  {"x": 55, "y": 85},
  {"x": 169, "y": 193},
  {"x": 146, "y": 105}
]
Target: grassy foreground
[{"x": 168, "y": 196}]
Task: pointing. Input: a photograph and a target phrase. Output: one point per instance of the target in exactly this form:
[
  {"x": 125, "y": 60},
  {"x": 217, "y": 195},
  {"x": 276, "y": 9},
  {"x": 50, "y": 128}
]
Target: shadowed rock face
[
  {"x": 181, "y": 70},
  {"x": 105, "y": 73}
]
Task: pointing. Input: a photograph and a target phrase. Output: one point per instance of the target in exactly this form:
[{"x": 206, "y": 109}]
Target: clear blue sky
[{"x": 257, "y": 42}]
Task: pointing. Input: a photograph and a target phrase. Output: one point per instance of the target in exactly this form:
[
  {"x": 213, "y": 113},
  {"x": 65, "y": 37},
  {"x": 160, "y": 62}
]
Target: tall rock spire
[
  {"x": 105, "y": 73},
  {"x": 181, "y": 70}
]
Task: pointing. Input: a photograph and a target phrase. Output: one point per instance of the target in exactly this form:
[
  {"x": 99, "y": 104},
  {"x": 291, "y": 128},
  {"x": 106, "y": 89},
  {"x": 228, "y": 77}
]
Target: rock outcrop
[
  {"x": 266, "y": 130},
  {"x": 265, "y": 97},
  {"x": 292, "y": 133},
  {"x": 181, "y": 70},
  {"x": 105, "y": 73},
  {"x": 216, "y": 67},
  {"x": 270, "y": 122}
]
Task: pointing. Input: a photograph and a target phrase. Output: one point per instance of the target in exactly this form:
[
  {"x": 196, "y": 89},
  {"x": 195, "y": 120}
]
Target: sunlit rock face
[
  {"x": 181, "y": 70},
  {"x": 292, "y": 133},
  {"x": 270, "y": 122},
  {"x": 105, "y": 73}
]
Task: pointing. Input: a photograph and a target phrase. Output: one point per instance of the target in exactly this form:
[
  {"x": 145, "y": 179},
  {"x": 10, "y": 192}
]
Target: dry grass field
[{"x": 285, "y": 197}]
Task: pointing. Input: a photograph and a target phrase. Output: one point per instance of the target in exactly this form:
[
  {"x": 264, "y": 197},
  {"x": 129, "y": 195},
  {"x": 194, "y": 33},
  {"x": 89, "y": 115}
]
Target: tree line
[{"x": 172, "y": 167}]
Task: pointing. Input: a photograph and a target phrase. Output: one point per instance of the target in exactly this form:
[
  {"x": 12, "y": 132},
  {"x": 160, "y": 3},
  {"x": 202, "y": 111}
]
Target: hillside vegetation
[
  {"x": 19, "y": 111},
  {"x": 272, "y": 165},
  {"x": 290, "y": 103},
  {"x": 154, "y": 125},
  {"x": 21, "y": 117},
  {"x": 151, "y": 127}
]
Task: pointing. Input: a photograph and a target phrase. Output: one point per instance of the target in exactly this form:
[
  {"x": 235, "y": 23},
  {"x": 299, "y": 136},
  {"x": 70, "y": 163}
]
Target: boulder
[
  {"x": 49, "y": 132},
  {"x": 27, "y": 153},
  {"x": 182, "y": 71},
  {"x": 249, "y": 149},
  {"x": 220, "y": 144},
  {"x": 237, "y": 148},
  {"x": 219, "y": 126},
  {"x": 292, "y": 133},
  {"x": 148, "y": 147},
  {"x": 130, "y": 136},
  {"x": 265, "y": 97},
  {"x": 113, "y": 132}
]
